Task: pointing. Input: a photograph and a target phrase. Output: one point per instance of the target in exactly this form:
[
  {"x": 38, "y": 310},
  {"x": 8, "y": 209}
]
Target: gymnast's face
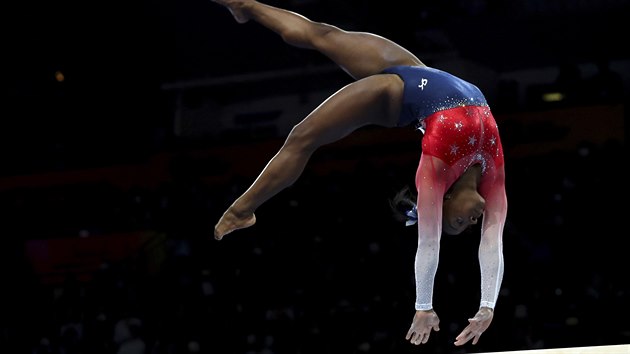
[{"x": 461, "y": 210}]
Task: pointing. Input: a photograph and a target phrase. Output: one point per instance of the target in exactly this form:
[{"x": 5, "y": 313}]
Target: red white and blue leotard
[{"x": 459, "y": 131}]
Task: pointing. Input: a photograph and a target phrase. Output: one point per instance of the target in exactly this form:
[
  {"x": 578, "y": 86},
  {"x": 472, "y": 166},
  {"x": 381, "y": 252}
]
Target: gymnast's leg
[
  {"x": 370, "y": 100},
  {"x": 360, "y": 54},
  {"x": 373, "y": 100}
]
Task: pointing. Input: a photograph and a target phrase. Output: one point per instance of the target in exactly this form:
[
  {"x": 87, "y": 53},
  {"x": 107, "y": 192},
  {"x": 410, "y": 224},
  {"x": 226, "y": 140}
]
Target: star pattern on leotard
[
  {"x": 493, "y": 142},
  {"x": 466, "y": 136}
]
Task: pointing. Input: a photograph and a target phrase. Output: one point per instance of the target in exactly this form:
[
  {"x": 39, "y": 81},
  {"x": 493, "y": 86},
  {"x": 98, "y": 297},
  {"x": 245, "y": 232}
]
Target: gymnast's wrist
[
  {"x": 487, "y": 304},
  {"x": 486, "y": 308}
]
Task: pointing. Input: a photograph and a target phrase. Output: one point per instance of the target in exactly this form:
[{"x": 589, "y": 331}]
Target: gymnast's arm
[
  {"x": 431, "y": 185},
  {"x": 492, "y": 188}
]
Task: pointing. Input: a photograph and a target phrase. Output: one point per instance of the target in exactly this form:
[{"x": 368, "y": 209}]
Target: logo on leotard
[{"x": 423, "y": 83}]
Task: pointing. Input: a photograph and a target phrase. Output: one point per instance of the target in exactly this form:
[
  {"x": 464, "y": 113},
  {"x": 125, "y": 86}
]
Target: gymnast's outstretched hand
[
  {"x": 423, "y": 323},
  {"x": 476, "y": 326}
]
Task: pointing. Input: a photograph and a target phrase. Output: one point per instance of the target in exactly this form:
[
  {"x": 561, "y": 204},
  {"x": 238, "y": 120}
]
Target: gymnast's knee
[
  {"x": 301, "y": 140},
  {"x": 307, "y": 37}
]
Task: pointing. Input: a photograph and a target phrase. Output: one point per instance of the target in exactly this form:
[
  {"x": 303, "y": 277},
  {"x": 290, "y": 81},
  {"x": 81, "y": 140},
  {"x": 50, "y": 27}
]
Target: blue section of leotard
[{"x": 429, "y": 90}]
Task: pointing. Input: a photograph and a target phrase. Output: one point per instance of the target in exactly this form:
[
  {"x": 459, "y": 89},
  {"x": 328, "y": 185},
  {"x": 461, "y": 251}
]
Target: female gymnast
[{"x": 460, "y": 178}]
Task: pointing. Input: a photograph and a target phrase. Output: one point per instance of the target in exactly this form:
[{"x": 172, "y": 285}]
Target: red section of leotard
[{"x": 470, "y": 131}]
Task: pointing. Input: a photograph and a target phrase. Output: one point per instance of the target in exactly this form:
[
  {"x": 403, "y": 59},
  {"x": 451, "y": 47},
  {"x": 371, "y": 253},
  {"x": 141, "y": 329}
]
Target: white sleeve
[
  {"x": 431, "y": 188},
  {"x": 491, "y": 244}
]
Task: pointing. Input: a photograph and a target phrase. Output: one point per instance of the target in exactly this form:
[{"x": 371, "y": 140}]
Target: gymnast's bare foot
[
  {"x": 231, "y": 221},
  {"x": 237, "y": 8}
]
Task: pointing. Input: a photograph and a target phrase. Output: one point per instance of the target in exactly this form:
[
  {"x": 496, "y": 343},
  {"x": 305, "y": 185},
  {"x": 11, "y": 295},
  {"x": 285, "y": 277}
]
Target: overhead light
[{"x": 553, "y": 96}]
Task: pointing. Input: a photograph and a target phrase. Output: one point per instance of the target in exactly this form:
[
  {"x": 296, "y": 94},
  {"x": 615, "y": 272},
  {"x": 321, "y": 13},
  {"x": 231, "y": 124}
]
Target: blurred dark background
[{"x": 129, "y": 127}]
